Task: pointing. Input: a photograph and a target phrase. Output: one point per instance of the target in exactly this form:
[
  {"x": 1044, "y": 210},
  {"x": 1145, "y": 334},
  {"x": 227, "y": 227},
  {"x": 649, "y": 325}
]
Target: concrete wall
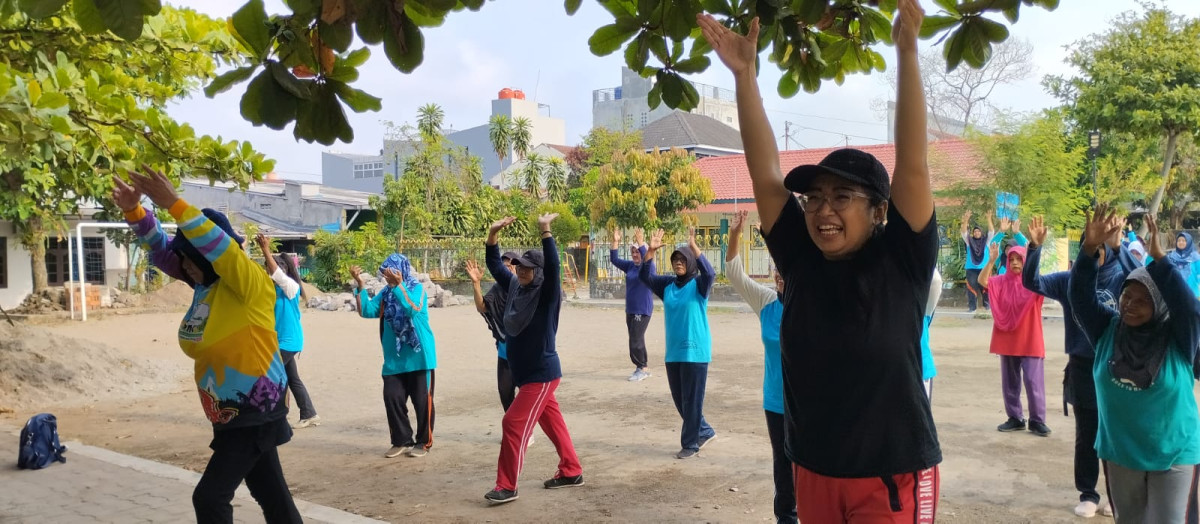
[
  {"x": 288, "y": 207},
  {"x": 338, "y": 171},
  {"x": 20, "y": 269},
  {"x": 632, "y": 111}
]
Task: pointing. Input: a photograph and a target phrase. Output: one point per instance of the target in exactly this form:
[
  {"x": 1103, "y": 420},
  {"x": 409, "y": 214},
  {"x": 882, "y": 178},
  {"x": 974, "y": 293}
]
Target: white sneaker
[
  {"x": 1107, "y": 511},
  {"x": 1086, "y": 509},
  {"x": 306, "y": 422},
  {"x": 396, "y": 451},
  {"x": 638, "y": 375}
]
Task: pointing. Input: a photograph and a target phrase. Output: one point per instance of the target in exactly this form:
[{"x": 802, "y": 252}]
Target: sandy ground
[{"x": 625, "y": 433}]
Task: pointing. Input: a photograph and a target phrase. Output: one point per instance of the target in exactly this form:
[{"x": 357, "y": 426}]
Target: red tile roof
[
  {"x": 950, "y": 161},
  {"x": 566, "y": 150}
]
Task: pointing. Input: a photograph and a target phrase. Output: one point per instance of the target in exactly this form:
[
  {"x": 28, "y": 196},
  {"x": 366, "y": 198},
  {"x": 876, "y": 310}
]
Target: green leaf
[
  {"x": 358, "y": 57},
  {"x": 672, "y": 88},
  {"x": 953, "y": 50},
  {"x": 306, "y": 10},
  {"x": 52, "y": 100},
  {"x": 836, "y": 50},
  {"x": 951, "y": 6},
  {"x": 250, "y": 28},
  {"x": 267, "y": 103},
  {"x": 322, "y": 119},
  {"x": 358, "y": 100},
  {"x": 700, "y": 47},
  {"x": 994, "y": 31},
  {"x": 637, "y": 53},
  {"x": 691, "y": 97},
  {"x": 717, "y": 7},
  {"x": 573, "y": 6},
  {"x": 658, "y": 45},
  {"x": 935, "y": 24},
  {"x": 301, "y": 89},
  {"x": 654, "y": 97},
  {"x": 789, "y": 83},
  {"x": 122, "y": 17},
  {"x": 38, "y": 9},
  {"x": 88, "y": 16},
  {"x": 405, "y": 55},
  {"x": 336, "y": 36},
  {"x": 811, "y": 11},
  {"x": 151, "y": 7},
  {"x": 692, "y": 65},
  {"x": 679, "y": 17},
  {"x": 223, "y": 82},
  {"x": 810, "y": 80},
  {"x": 372, "y": 23},
  {"x": 424, "y": 16},
  {"x": 880, "y": 26},
  {"x": 610, "y": 37}
]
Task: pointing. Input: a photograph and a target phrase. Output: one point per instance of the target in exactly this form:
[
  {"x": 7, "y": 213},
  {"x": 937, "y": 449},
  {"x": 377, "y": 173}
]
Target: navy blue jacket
[
  {"x": 1055, "y": 287},
  {"x": 532, "y": 356}
]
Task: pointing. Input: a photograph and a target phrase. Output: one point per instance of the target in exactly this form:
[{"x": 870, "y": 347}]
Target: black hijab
[
  {"x": 1139, "y": 352},
  {"x": 523, "y": 301},
  {"x": 977, "y": 246},
  {"x": 689, "y": 261}
]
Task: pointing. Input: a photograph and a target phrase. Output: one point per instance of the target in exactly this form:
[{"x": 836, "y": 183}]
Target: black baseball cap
[
  {"x": 532, "y": 258},
  {"x": 510, "y": 256},
  {"x": 854, "y": 165}
]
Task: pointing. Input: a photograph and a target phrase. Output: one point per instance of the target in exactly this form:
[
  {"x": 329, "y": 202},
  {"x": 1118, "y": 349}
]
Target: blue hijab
[
  {"x": 1183, "y": 258},
  {"x": 393, "y": 313}
]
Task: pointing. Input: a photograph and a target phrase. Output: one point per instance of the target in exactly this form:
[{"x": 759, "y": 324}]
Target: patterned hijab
[{"x": 393, "y": 313}]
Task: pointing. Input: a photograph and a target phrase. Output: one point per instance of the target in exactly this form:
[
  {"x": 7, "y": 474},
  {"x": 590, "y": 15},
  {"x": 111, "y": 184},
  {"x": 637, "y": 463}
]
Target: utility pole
[{"x": 787, "y": 136}]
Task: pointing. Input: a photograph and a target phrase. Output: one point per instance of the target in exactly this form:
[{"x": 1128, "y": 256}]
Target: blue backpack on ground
[{"x": 39, "y": 443}]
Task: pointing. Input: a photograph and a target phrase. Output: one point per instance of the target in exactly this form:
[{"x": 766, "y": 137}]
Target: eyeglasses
[{"x": 838, "y": 201}]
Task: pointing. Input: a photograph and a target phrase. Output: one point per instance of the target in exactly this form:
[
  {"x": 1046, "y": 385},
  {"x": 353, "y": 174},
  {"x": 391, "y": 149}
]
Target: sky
[{"x": 534, "y": 46}]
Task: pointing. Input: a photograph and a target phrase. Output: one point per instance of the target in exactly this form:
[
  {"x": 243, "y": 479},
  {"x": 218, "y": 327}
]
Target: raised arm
[
  {"x": 495, "y": 264},
  {"x": 1089, "y": 314},
  {"x": 476, "y": 274},
  {"x": 368, "y": 307},
  {"x": 1052, "y": 286},
  {"x": 739, "y": 53},
  {"x": 1181, "y": 303},
  {"x": 965, "y": 228},
  {"x": 657, "y": 283},
  {"x": 552, "y": 272},
  {"x": 147, "y": 229},
  {"x": 986, "y": 272},
  {"x": 755, "y": 294},
  {"x": 911, "y": 191}
]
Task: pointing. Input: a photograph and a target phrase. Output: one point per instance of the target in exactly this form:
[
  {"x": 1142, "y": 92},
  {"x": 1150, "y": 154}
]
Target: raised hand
[
  {"x": 474, "y": 271},
  {"x": 356, "y": 273},
  {"x": 125, "y": 196},
  {"x": 155, "y": 185},
  {"x": 1037, "y": 231},
  {"x": 966, "y": 219},
  {"x": 393, "y": 277},
  {"x": 264, "y": 243},
  {"x": 1016, "y": 226},
  {"x": 616, "y": 238},
  {"x": 994, "y": 250},
  {"x": 739, "y": 221},
  {"x": 991, "y": 225},
  {"x": 639, "y": 237},
  {"x": 1153, "y": 243},
  {"x": 1004, "y": 224},
  {"x": 737, "y": 52},
  {"x": 501, "y": 224},
  {"x": 656, "y": 240},
  {"x": 545, "y": 220},
  {"x": 909, "y": 16},
  {"x": 1098, "y": 228}
]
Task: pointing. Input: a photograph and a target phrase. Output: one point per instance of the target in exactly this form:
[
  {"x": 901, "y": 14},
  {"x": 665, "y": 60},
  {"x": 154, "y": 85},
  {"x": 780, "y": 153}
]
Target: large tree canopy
[
  {"x": 302, "y": 65},
  {"x": 78, "y": 104}
]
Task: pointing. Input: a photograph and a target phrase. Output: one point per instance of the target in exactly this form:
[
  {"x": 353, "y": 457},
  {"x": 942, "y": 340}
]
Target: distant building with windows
[
  {"x": 365, "y": 172},
  {"x": 627, "y": 107}
]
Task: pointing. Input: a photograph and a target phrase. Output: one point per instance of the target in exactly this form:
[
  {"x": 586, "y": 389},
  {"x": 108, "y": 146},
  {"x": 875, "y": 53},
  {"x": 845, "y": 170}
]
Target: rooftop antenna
[{"x": 536, "y": 85}]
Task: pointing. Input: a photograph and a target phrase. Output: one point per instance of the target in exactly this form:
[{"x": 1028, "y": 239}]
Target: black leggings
[
  {"x": 299, "y": 392},
  {"x": 250, "y": 454},
  {"x": 785, "y": 491},
  {"x": 397, "y": 389},
  {"x": 637, "y": 325},
  {"x": 975, "y": 292},
  {"x": 504, "y": 382}
]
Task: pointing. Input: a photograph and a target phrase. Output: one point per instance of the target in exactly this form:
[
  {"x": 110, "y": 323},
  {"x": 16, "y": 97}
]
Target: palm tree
[
  {"x": 500, "y": 132},
  {"x": 556, "y": 180},
  {"x": 522, "y": 136},
  {"x": 429, "y": 121},
  {"x": 532, "y": 174}
]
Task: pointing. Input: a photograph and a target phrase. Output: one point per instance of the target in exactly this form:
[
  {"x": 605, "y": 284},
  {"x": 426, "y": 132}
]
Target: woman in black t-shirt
[{"x": 857, "y": 254}]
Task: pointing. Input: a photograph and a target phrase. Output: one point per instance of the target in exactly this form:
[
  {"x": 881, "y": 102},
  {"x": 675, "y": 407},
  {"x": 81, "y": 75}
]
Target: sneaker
[
  {"x": 1107, "y": 511},
  {"x": 704, "y": 440},
  {"x": 417, "y": 451},
  {"x": 315, "y": 420},
  {"x": 560, "y": 481},
  {"x": 1086, "y": 509},
  {"x": 500, "y": 496},
  {"x": 396, "y": 451},
  {"x": 686, "y": 453},
  {"x": 1012, "y": 425},
  {"x": 639, "y": 375},
  {"x": 1038, "y": 428}
]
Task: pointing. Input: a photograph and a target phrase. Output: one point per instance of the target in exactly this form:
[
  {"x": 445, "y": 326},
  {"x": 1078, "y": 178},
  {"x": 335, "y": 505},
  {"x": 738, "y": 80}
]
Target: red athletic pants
[
  {"x": 535, "y": 404},
  {"x": 909, "y": 498}
]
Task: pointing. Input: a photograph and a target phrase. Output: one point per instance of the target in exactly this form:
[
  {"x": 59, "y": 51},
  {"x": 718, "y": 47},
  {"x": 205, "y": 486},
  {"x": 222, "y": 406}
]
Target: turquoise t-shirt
[
  {"x": 685, "y": 313},
  {"x": 771, "y": 318},
  {"x": 502, "y": 350},
  {"x": 287, "y": 322},
  {"x": 404, "y": 359},
  {"x": 928, "y": 370},
  {"x": 1151, "y": 429}
]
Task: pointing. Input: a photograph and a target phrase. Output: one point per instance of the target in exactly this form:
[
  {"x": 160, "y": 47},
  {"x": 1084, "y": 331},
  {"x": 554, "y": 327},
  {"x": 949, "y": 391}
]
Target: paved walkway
[{"x": 97, "y": 485}]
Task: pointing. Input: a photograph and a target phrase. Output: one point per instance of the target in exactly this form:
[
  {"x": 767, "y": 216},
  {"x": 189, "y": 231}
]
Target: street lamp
[{"x": 1093, "y": 152}]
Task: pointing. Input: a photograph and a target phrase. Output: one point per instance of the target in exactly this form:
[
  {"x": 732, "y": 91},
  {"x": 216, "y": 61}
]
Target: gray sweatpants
[{"x": 1152, "y": 497}]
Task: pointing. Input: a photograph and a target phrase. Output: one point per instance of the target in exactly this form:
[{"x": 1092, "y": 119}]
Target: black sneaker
[
  {"x": 704, "y": 440},
  {"x": 686, "y": 453},
  {"x": 1038, "y": 428},
  {"x": 1012, "y": 425},
  {"x": 560, "y": 481},
  {"x": 500, "y": 496}
]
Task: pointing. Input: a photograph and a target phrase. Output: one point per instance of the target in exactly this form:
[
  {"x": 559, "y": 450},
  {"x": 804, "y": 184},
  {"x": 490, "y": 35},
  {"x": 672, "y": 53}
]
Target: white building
[
  {"x": 627, "y": 108},
  {"x": 509, "y": 176},
  {"x": 104, "y": 263},
  {"x": 365, "y": 172}
]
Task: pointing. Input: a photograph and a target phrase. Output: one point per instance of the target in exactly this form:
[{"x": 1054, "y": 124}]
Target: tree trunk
[
  {"x": 1168, "y": 160},
  {"x": 34, "y": 239}
]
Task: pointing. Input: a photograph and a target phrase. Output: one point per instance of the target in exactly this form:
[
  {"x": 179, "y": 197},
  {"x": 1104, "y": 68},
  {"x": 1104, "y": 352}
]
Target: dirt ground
[{"x": 626, "y": 433}]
